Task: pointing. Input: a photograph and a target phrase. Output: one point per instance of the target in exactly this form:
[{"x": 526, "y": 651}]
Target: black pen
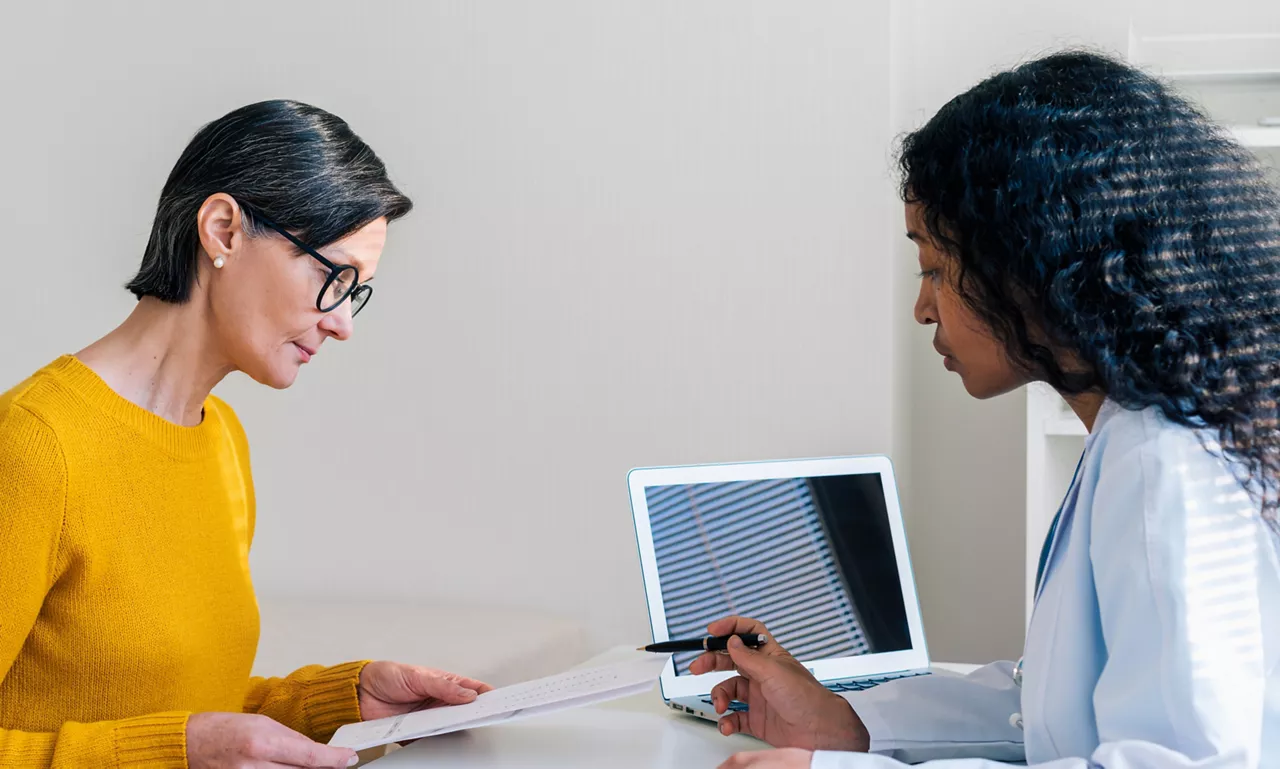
[{"x": 709, "y": 644}]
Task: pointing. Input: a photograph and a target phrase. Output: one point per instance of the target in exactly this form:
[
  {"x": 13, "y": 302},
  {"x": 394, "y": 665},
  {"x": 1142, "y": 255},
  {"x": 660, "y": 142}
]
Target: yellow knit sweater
[{"x": 125, "y": 597}]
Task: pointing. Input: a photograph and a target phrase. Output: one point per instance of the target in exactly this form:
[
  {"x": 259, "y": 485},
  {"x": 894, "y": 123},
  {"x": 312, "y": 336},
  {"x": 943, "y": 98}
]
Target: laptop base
[{"x": 701, "y": 707}]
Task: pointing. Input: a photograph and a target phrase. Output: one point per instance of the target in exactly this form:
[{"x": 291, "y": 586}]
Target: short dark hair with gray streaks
[{"x": 299, "y": 165}]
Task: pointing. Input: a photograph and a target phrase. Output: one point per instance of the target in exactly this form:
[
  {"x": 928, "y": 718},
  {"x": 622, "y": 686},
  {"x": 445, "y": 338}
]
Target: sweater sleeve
[
  {"x": 314, "y": 701},
  {"x": 158, "y": 740},
  {"x": 33, "y": 484}
]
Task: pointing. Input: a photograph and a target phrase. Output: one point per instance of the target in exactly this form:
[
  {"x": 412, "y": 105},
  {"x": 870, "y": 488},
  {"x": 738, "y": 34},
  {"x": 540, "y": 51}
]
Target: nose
[
  {"x": 337, "y": 322},
  {"x": 926, "y": 312}
]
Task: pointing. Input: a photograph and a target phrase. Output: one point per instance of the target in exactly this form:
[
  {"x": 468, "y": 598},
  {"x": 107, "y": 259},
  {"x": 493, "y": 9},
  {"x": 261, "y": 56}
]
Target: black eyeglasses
[{"x": 343, "y": 280}]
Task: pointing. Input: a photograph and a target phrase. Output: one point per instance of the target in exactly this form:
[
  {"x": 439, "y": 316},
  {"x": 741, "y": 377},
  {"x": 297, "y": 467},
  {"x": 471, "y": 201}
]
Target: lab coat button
[{"x": 1015, "y": 720}]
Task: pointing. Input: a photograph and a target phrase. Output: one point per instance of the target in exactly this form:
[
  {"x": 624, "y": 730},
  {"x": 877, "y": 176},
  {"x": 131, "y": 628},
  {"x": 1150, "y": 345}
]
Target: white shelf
[
  {"x": 1257, "y": 136},
  {"x": 1208, "y": 56},
  {"x": 1236, "y": 76},
  {"x": 1220, "y": 76}
]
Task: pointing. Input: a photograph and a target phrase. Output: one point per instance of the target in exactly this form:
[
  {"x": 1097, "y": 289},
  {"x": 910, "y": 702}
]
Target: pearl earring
[{"x": 218, "y": 261}]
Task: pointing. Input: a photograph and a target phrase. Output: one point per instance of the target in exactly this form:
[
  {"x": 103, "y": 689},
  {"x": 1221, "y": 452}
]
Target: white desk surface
[{"x": 637, "y": 732}]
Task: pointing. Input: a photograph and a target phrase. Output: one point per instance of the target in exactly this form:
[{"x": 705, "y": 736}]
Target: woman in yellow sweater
[{"x": 128, "y": 623}]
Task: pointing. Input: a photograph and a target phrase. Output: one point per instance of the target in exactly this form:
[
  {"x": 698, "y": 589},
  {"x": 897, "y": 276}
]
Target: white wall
[{"x": 647, "y": 233}]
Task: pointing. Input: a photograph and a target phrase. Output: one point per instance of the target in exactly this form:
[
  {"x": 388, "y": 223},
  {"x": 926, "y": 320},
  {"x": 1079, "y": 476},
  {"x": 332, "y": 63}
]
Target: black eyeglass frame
[{"x": 364, "y": 289}]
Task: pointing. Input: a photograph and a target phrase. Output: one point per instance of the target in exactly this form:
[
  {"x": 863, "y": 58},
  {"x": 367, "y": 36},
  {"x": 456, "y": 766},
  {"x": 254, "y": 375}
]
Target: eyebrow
[
  {"x": 914, "y": 236},
  {"x": 338, "y": 251}
]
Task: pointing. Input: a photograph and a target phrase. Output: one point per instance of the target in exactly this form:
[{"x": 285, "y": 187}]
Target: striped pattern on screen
[{"x": 755, "y": 549}]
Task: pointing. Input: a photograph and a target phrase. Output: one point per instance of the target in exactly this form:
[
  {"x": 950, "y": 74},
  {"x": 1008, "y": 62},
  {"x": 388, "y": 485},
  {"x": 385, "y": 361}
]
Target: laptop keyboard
[
  {"x": 861, "y": 684},
  {"x": 851, "y": 685}
]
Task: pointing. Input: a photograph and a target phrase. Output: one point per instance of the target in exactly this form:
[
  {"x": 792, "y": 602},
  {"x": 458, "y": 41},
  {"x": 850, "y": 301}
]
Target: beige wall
[{"x": 647, "y": 232}]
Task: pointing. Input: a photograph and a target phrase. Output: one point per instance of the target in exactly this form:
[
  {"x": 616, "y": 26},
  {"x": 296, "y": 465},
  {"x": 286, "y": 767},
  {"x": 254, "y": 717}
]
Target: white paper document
[{"x": 545, "y": 695}]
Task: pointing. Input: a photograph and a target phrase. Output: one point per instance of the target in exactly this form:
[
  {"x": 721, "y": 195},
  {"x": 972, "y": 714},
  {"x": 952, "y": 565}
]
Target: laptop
[{"x": 813, "y": 548}]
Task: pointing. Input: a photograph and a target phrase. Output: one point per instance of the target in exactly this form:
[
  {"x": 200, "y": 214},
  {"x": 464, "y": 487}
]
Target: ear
[{"x": 218, "y": 225}]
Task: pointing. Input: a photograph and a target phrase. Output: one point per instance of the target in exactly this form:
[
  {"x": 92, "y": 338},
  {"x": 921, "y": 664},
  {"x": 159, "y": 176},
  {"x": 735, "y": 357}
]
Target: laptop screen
[{"x": 812, "y": 558}]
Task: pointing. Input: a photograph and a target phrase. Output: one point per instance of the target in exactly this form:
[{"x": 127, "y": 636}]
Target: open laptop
[{"x": 813, "y": 548}]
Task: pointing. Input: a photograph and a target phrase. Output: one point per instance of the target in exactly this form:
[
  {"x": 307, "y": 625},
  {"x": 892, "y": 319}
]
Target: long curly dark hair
[{"x": 1094, "y": 211}]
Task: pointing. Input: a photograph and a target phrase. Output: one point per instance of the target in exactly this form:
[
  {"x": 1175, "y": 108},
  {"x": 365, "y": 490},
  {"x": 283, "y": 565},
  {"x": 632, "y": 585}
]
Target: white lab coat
[{"x": 1155, "y": 637}]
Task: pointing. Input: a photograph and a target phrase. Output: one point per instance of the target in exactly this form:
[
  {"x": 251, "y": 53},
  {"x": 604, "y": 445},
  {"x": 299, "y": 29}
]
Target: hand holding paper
[
  {"x": 572, "y": 689},
  {"x": 391, "y": 688}
]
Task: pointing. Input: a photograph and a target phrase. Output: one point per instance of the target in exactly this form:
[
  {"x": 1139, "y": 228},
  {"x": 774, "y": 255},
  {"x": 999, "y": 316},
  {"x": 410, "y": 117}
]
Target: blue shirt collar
[{"x": 1109, "y": 409}]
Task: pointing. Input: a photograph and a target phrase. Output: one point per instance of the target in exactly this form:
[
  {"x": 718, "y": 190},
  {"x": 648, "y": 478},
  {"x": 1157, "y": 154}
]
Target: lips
[
  {"x": 307, "y": 352},
  {"x": 948, "y": 360}
]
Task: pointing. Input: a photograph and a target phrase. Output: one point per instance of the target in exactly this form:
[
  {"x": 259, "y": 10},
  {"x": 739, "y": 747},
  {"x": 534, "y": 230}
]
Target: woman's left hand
[
  {"x": 392, "y": 689},
  {"x": 785, "y": 758}
]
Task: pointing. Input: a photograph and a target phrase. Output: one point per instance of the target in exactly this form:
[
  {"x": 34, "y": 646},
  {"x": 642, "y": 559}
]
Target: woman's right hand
[
  {"x": 787, "y": 706},
  {"x": 238, "y": 740}
]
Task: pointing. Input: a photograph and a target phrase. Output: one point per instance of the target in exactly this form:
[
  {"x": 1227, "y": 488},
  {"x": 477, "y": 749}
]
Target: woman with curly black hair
[{"x": 1081, "y": 225}]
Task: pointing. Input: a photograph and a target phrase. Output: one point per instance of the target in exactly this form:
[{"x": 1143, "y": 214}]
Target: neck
[
  {"x": 1086, "y": 406},
  {"x": 163, "y": 358}
]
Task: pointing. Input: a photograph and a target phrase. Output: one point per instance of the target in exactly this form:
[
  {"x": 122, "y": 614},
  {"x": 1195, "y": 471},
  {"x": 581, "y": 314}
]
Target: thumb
[
  {"x": 442, "y": 689},
  {"x": 749, "y": 662}
]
